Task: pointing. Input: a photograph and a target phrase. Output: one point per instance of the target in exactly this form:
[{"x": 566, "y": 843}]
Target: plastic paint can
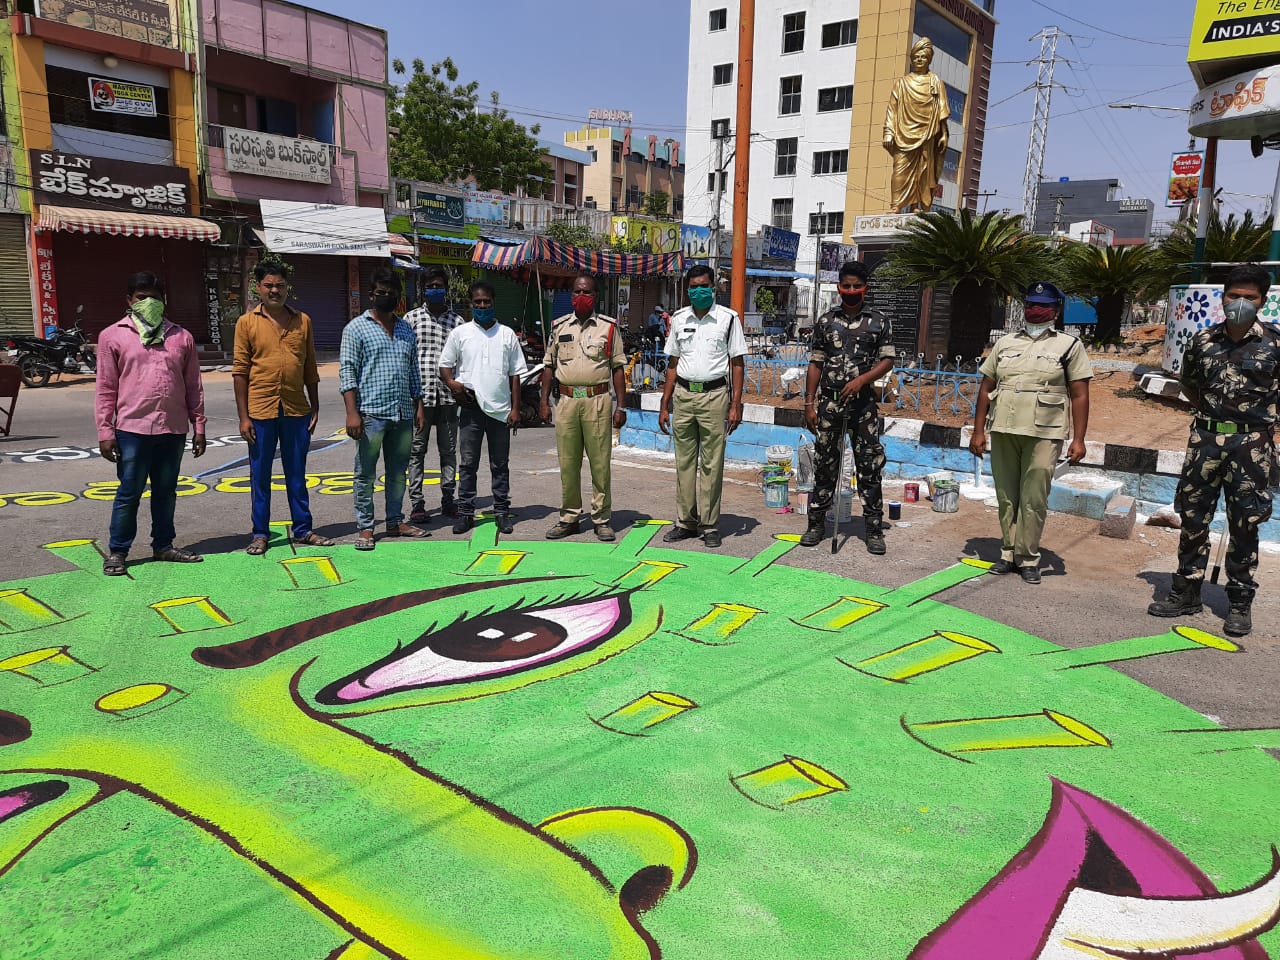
[
  {"x": 895, "y": 510},
  {"x": 911, "y": 493},
  {"x": 776, "y": 492}
]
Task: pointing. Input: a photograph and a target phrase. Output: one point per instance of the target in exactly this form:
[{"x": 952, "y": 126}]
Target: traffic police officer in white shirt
[{"x": 705, "y": 384}]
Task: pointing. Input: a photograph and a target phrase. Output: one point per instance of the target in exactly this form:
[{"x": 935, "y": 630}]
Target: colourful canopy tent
[{"x": 540, "y": 255}]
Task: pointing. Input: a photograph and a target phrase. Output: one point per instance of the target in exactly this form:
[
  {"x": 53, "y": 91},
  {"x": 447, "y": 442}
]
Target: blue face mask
[
  {"x": 485, "y": 316},
  {"x": 702, "y": 297},
  {"x": 435, "y": 294}
]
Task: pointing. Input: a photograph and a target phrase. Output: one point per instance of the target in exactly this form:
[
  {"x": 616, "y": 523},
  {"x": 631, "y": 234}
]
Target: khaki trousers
[
  {"x": 1022, "y": 470},
  {"x": 584, "y": 424},
  {"x": 698, "y": 429}
]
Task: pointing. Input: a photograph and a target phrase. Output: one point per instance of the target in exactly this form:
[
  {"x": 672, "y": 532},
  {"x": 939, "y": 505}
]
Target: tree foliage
[
  {"x": 443, "y": 136},
  {"x": 573, "y": 234},
  {"x": 1113, "y": 277},
  {"x": 1226, "y": 241},
  {"x": 981, "y": 259},
  {"x": 657, "y": 204}
]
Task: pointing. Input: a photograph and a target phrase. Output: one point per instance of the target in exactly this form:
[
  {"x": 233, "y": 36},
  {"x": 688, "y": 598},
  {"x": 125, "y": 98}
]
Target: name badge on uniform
[
  {"x": 579, "y": 393},
  {"x": 566, "y": 338},
  {"x": 695, "y": 387}
]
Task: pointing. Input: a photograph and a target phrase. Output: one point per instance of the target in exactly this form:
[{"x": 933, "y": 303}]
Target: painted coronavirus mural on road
[{"x": 495, "y": 750}]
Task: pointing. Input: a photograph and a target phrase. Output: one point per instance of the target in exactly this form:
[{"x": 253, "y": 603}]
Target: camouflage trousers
[
  {"x": 1240, "y": 465},
  {"x": 862, "y": 420}
]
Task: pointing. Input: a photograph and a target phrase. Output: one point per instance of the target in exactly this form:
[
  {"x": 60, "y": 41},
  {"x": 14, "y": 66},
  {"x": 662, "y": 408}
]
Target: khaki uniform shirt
[
  {"x": 1031, "y": 397},
  {"x": 579, "y": 353},
  {"x": 280, "y": 363}
]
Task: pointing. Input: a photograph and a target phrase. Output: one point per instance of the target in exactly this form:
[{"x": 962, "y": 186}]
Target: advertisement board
[
  {"x": 832, "y": 257},
  {"x": 647, "y": 235},
  {"x": 780, "y": 244},
  {"x": 117, "y": 96},
  {"x": 1184, "y": 177},
  {"x": 273, "y": 155},
  {"x": 695, "y": 241},
  {"x": 328, "y": 229},
  {"x": 441, "y": 209},
  {"x": 1224, "y": 31},
  {"x": 1238, "y": 107},
  {"x": 72, "y": 180},
  {"x": 147, "y": 21}
]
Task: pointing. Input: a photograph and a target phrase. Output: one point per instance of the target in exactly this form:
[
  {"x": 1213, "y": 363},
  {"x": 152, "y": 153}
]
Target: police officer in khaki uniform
[
  {"x": 584, "y": 353},
  {"x": 1034, "y": 395},
  {"x": 704, "y": 382}
]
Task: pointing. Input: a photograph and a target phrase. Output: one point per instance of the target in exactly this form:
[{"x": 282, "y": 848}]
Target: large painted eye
[{"x": 486, "y": 646}]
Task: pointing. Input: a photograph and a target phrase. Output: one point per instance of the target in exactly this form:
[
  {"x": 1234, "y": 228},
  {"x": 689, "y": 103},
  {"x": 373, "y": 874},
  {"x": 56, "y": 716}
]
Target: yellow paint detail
[
  {"x": 15, "y": 664},
  {"x": 133, "y": 697},
  {"x": 63, "y": 544},
  {"x": 724, "y": 619},
  {"x": 646, "y": 711},
  {"x": 1078, "y": 728},
  {"x": 1207, "y": 639},
  {"x": 186, "y": 614},
  {"x": 21, "y": 611},
  {"x": 646, "y": 573},
  {"x": 311, "y": 571},
  {"x": 842, "y": 613},
  {"x": 788, "y": 781},
  {"x": 787, "y": 537},
  {"x": 942, "y": 649},
  {"x": 1016, "y": 732},
  {"x": 496, "y": 562},
  {"x": 623, "y": 841},
  {"x": 974, "y": 562}
]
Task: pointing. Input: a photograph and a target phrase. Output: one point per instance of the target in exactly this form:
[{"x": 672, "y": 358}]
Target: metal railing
[{"x": 920, "y": 388}]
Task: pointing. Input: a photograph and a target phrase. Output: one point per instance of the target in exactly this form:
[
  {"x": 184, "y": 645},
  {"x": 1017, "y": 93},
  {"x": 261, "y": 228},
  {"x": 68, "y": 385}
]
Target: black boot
[
  {"x": 816, "y": 530},
  {"x": 1183, "y": 600},
  {"x": 875, "y": 535},
  {"x": 1239, "y": 620}
]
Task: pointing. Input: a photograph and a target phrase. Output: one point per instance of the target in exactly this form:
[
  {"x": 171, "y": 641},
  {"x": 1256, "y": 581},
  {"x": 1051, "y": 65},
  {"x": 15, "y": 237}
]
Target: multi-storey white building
[{"x": 816, "y": 155}]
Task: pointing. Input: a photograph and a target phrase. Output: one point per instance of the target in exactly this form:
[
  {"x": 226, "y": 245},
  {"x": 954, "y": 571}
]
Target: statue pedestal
[{"x": 909, "y": 308}]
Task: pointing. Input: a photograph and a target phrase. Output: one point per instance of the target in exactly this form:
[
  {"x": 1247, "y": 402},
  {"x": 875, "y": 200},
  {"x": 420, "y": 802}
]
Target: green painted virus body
[{"x": 547, "y": 751}]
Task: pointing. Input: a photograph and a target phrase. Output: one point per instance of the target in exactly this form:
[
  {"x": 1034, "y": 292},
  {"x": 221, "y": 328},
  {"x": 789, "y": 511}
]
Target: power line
[{"x": 1094, "y": 26}]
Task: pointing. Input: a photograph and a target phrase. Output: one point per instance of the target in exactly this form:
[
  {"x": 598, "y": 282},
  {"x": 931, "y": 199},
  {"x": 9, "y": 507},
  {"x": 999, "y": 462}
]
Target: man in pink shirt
[{"x": 148, "y": 392}]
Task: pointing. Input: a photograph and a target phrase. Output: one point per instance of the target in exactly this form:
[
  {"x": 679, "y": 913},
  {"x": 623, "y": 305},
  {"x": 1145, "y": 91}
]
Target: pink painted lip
[{"x": 1085, "y": 842}]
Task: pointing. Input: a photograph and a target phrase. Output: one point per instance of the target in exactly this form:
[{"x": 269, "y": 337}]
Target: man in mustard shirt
[
  {"x": 1034, "y": 395},
  {"x": 277, "y": 389},
  {"x": 585, "y": 354}
]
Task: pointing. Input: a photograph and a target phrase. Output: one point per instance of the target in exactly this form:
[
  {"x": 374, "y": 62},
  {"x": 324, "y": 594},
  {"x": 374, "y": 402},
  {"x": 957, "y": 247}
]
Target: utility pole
[
  {"x": 985, "y": 195},
  {"x": 817, "y": 270},
  {"x": 719, "y": 135},
  {"x": 1044, "y": 85},
  {"x": 1058, "y": 199},
  {"x": 742, "y": 162}
]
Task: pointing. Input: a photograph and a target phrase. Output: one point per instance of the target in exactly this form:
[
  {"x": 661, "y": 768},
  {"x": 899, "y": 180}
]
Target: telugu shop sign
[
  {"x": 72, "y": 180},
  {"x": 272, "y": 155},
  {"x": 147, "y": 21}
]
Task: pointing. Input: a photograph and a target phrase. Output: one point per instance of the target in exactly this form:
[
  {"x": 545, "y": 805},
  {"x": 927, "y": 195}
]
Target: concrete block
[
  {"x": 1094, "y": 453},
  {"x": 1170, "y": 461},
  {"x": 1159, "y": 385},
  {"x": 759, "y": 434},
  {"x": 757, "y": 413},
  {"x": 1159, "y": 488},
  {"x": 936, "y": 435},
  {"x": 651, "y": 400},
  {"x": 1119, "y": 518},
  {"x": 903, "y": 428},
  {"x": 1082, "y": 494}
]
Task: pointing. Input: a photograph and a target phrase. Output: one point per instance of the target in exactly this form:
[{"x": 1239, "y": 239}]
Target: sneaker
[
  {"x": 604, "y": 532},
  {"x": 562, "y": 530},
  {"x": 506, "y": 523},
  {"x": 677, "y": 533},
  {"x": 1030, "y": 574},
  {"x": 463, "y": 524},
  {"x": 711, "y": 538}
]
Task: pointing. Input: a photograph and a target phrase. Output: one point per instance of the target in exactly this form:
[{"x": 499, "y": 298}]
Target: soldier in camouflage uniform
[
  {"x": 852, "y": 349},
  {"x": 1229, "y": 373}
]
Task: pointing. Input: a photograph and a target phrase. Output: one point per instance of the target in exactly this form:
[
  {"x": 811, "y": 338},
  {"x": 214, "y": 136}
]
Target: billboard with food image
[{"x": 1184, "y": 177}]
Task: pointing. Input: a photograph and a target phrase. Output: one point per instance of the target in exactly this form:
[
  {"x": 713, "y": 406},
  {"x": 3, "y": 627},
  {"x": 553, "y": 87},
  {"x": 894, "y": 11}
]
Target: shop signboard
[
  {"x": 73, "y": 180},
  {"x": 1241, "y": 106},
  {"x": 1227, "y": 31},
  {"x": 1184, "y": 177},
  {"x": 488, "y": 208},
  {"x": 327, "y": 229},
  {"x": 46, "y": 283},
  {"x": 440, "y": 209},
  {"x": 118, "y": 96},
  {"x": 695, "y": 241},
  {"x": 272, "y": 155},
  {"x": 832, "y": 257},
  {"x": 647, "y": 235},
  {"x": 147, "y": 21},
  {"x": 780, "y": 244}
]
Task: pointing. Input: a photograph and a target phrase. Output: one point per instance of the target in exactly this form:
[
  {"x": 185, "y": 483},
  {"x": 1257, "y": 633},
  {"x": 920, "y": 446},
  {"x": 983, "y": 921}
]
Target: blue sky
[{"x": 552, "y": 62}]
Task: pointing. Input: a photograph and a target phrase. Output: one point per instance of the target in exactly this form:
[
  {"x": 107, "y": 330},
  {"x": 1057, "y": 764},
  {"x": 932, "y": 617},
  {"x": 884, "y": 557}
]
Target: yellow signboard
[
  {"x": 647, "y": 235},
  {"x": 1231, "y": 30}
]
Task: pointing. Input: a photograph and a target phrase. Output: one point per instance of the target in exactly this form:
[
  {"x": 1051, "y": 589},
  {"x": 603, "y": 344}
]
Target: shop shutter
[
  {"x": 646, "y": 292},
  {"x": 318, "y": 287},
  {"x": 561, "y": 303},
  {"x": 16, "y": 317}
]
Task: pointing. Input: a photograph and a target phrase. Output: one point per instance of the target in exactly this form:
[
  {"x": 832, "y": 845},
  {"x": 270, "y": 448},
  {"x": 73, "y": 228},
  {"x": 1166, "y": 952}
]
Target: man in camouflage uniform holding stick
[
  {"x": 1229, "y": 373},
  {"x": 852, "y": 349}
]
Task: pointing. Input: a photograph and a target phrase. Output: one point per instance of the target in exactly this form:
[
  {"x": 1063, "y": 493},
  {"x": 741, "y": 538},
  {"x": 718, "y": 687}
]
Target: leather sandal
[
  {"x": 257, "y": 547},
  {"x": 365, "y": 541},
  {"x": 314, "y": 540},
  {"x": 177, "y": 555},
  {"x": 407, "y": 530},
  {"x": 114, "y": 565}
]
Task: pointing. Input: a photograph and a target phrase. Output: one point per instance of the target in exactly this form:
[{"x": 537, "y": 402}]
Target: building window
[
  {"x": 617, "y": 153},
  {"x": 711, "y": 181},
  {"x": 951, "y": 165},
  {"x": 946, "y": 36},
  {"x": 782, "y": 212},
  {"x": 826, "y": 223},
  {"x": 793, "y": 33},
  {"x": 830, "y": 161},
  {"x": 835, "y": 98},
  {"x": 633, "y": 196},
  {"x": 721, "y": 74},
  {"x": 842, "y": 33},
  {"x": 789, "y": 97},
  {"x": 956, "y": 102},
  {"x": 718, "y": 19},
  {"x": 785, "y": 165}
]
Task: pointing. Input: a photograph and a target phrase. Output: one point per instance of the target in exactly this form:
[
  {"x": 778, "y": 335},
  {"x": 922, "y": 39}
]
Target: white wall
[{"x": 816, "y": 132}]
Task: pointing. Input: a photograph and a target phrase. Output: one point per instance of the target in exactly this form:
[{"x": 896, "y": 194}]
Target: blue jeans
[
  {"x": 395, "y": 439},
  {"x": 293, "y": 438},
  {"x": 475, "y": 426},
  {"x": 157, "y": 457}
]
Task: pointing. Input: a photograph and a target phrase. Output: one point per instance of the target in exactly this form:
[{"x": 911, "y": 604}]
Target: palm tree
[
  {"x": 1226, "y": 241},
  {"x": 1112, "y": 276},
  {"x": 982, "y": 259}
]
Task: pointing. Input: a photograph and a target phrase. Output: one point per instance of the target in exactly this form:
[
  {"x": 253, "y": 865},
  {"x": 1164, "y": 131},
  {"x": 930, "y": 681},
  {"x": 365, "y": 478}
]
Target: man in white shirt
[
  {"x": 707, "y": 344},
  {"x": 486, "y": 358}
]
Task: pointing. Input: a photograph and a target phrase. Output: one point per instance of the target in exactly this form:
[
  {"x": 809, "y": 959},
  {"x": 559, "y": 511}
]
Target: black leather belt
[
  {"x": 694, "y": 386},
  {"x": 1226, "y": 426}
]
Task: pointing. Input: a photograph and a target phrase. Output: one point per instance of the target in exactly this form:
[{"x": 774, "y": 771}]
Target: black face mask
[
  {"x": 386, "y": 302},
  {"x": 853, "y": 301}
]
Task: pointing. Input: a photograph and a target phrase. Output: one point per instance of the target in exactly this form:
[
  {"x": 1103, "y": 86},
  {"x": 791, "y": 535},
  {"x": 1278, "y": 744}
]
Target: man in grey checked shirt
[{"x": 431, "y": 324}]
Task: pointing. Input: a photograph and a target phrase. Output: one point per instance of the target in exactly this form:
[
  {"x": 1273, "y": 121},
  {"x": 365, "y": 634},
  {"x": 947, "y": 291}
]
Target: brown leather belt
[{"x": 581, "y": 392}]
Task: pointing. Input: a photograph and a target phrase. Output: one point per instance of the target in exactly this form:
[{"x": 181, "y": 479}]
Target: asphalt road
[{"x": 1094, "y": 590}]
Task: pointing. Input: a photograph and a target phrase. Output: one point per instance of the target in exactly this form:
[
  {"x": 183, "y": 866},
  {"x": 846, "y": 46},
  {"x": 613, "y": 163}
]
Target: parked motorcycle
[{"x": 39, "y": 360}]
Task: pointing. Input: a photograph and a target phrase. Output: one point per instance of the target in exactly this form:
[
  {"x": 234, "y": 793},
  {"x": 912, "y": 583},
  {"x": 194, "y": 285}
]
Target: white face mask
[{"x": 1036, "y": 330}]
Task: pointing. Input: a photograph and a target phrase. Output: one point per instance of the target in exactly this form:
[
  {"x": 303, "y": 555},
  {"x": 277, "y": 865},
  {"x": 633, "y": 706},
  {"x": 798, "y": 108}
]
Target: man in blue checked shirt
[{"x": 382, "y": 388}]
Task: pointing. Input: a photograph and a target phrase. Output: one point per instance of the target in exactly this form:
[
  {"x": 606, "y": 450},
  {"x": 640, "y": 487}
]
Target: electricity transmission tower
[{"x": 1043, "y": 86}]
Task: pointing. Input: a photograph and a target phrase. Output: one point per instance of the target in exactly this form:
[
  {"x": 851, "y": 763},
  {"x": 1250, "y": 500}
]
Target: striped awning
[
  {"x": 557, "y": 258},
  {"x": 400, "y": 246},
  {"x": 121, "y": 223}
]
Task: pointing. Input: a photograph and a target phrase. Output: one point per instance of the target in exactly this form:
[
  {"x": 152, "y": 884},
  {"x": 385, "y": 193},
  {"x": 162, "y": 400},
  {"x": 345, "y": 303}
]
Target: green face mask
[
  {"x": 702, "y": 297},
  {"x": 148, "y": 317}
]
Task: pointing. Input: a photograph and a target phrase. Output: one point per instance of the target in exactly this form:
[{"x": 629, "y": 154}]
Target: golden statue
[{"x": 915, "y": 131}]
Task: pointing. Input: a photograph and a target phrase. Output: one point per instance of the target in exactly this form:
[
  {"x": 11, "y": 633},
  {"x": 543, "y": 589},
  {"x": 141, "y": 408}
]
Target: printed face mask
[
  {"x": 435, "y": 294},
  {"x": 584, "y": 302},
  {"x": 485, "y": 316},
  {"x": 702, "y": 297},
  {"x": 1240, "y": 313}
]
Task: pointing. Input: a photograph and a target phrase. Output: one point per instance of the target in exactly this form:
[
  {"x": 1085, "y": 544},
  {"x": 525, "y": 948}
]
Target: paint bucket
[
  {"x": 933, "y": 479},
  {"x": 780, "y": 455},
  {"x": 946, "y": 496},
  {"x": 776, "y": 491},
  {"x": 911, "y": 493},
  {"x": 895, "y": 510}
]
